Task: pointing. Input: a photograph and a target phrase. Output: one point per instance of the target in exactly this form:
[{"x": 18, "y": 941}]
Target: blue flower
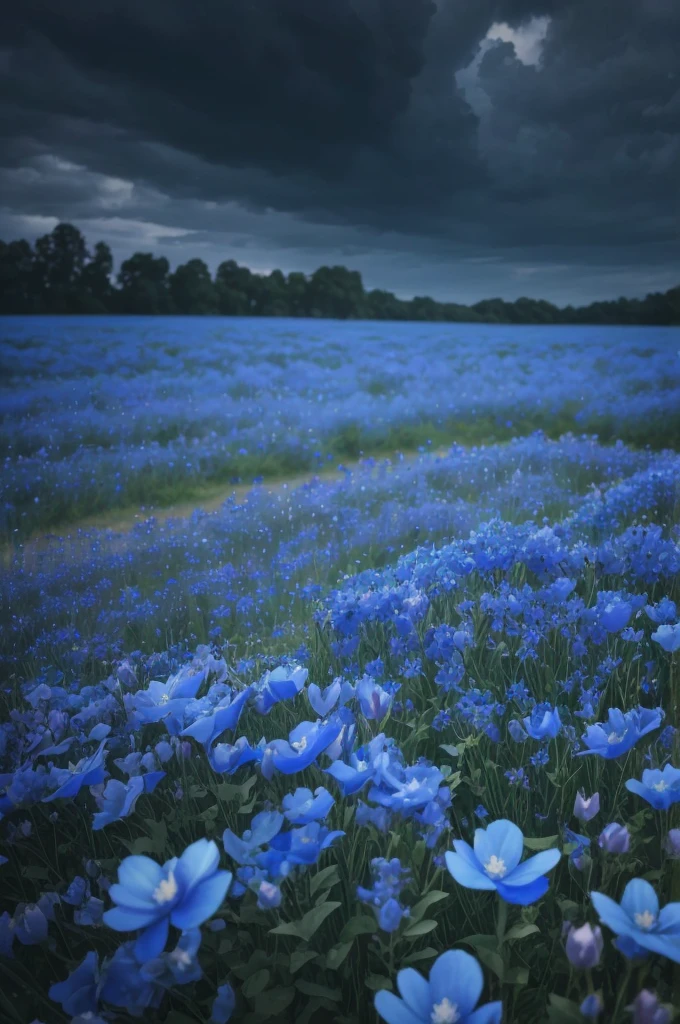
[
  {"x": 668, "y": 637},
  {"x": 543, "y": 723},
  {"x": 119, "y": 798},
  {"x": 621, "y": 732},
  {"x": 78, "y": 993},
  {"x": 184, "y": 892},
  {"x": 263, "y": 828},
  {"x": 303, "y": 806},
  {"x": 225, "y": 715},
  {"x": 305, "y": 743},
  {"x": 616, "y": 614},
  {"x": 89, "y": 771},
  {"x": 374, "y": 700},
  {"x": 638, "y": 921},
  {"x": 299, "y": 846},
  {"x": 659, "y": 788},
  {"x": 123, "y": 983},
  {"x": 224, "y": 1005},
  {"x": 282, "y": 683},
  {"x": 449, "y": 995},
  {"x": 495, "y": 864},
  {"x": 323, "y": 703}
]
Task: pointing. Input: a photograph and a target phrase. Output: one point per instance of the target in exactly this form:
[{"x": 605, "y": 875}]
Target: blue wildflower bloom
[
  {"x": 185, "y": 892},
  {"x": 90, "y": 914},
  {"x": 660, "y": 788},
  {"x": 123, "y": 983},
  {"x": 282, "y": 683},
  {"x": 301, "y": 845},
  {"x": 638, "y": 920},
  {"x": 323, "y": 703},
  {"x": 663, "y": 612},
  {"x": 223, "y": 1005},
  {"x": 225, "y": 715},
  {"x": 616, "y": 614},
  {"x": 494, "y": 863},
  {"x": 179, "y": 966},
  {"x": 269, "y": 896},
  {"x": 374, "y": 700},
  {"x": 77, "y": 892},
  {"x": 621, "y": 732},
  {"x": 263, "y": 828},
  {"x": 30, "y": 924},
  {"x": 305, "y": 743},
  {"x": 118, "y": 799},
  {"x": 90, "y": 771},
  {"x": 406, "y": 789},
  {"x": 668, "y": 637},
  {"x": 543, "y": 723},
  {"x": 517, "y": 731},
  {"x": 450, "y": 994},
  {"x": 303, "y": 806},
  {"x": 361, "y": 768},
  {"x": 228, "y": 757},
  {"x": 78, "y": 993}
]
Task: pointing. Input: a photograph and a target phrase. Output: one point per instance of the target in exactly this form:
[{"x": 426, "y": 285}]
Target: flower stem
[{"x": 501, "y": 925}]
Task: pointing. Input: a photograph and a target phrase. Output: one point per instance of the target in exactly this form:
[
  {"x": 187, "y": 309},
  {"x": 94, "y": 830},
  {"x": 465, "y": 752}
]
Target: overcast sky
[{"x": 462, "y": 149}]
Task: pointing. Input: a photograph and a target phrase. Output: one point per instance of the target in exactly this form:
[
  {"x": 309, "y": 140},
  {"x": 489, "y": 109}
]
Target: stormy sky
[{"x": 458, "y": 148}]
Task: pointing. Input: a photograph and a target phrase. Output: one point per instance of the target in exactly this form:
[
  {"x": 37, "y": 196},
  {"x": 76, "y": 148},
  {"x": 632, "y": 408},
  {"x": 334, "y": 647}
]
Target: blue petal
[
  {"x": 415, "y": 992},
  {"x": 503, "y": 839},
  {"x": 611, "y": 914},
  {"x": 394, "y": 1011},
  {"x": 456, "y": 976},
  {"x": 489, "y": 1014},
  {"x": 140, "y": 875},
  {"x": 121, "y": 919},
  {"x": 199, "y": 860},
  {"x": 669, "y": 921},
  {"x": 125, "y": 898},
  {"x": 523, "y": 895},
  {"x": 533, "y": 868},
  {"x": 151, "y": 942},
  {"x": 202, "y": 902},
  {"x": 662, "y": 944},
  {"x": 466, "y": 873},
  {"x": 638, "y": 897}
]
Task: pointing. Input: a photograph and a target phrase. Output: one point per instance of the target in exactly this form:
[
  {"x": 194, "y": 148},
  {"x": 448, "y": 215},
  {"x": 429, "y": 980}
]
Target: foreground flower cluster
[{"x": 474, "y": 750}]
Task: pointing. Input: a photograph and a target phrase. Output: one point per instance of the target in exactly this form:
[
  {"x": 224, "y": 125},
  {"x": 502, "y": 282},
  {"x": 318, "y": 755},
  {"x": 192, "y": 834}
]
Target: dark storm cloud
[{"x": 349, "y": 117}]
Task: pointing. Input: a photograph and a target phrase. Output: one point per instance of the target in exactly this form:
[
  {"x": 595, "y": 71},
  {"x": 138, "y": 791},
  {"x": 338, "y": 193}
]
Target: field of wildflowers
[{"x": 394, "y": 744}]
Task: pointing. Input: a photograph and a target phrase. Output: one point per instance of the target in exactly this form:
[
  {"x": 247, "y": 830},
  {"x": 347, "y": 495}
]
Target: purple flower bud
[
  {"x": 647, "y": 1009},
  {"x": 585, "y": 809},
  {"x": 517, "y": 731},
  {"x": 186, "y": 750},
  {"x": 615, "y": 838},
  {"x": 672, "y": 843},
  {"x": 592, "y": 1006},
  {"x": 584, "y": 946},
  {"x": 268, "y": 896}
]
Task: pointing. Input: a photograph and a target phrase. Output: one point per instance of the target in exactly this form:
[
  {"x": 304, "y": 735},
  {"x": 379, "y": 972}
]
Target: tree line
[{"x": 59, "y": 274}]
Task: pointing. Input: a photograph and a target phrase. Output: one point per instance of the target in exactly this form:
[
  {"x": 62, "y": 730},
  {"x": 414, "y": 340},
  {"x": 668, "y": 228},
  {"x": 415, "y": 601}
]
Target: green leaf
[
  {"x": 423, "y": 954},
  {"x": 540, "y": 844},
  {"x": 288, "y": 928},
  {"x": 320, "y": 991},
  {"x": 449, "y": 749},
  {"x": 481, "y": 941},
  {"x": 521, "y": 931},
  {"x": 517, "y": 976},
  {"x": 314, "y": 918},
  {"x": 427, "y": 901},
  {"x": 377, "y": 982},
  {"x": 274, "y": 1001},
  {"x": 492, "y": 960},
  {"x": 209, "y": 814},
  {"x": 299, "y": 957},
  {"x": 419, "y": 928},
  {"x": 36, "y": 872},
  {"x": 325, "y": 879},
  {"x": 563, "y": 1011},
  {"x": 336, "y": 955},
  {"x": 255, "y": 984},
  {"x": 363, "y": 925}
]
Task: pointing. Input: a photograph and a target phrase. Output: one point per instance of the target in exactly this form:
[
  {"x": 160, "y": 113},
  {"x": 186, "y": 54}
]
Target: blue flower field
[{"x": 387, "y": 731}]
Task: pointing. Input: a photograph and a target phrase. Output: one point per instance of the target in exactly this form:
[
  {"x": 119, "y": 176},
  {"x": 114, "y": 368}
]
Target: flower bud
[
  {"x": 672, "y": 843},
  {"x": 647, "y": 1009},
  {"x": 615, "y": 838},
  {"x": 592, "y": 1006},
  {"x": 585, "y": 809},
  {"x": 584, "y": 946}
]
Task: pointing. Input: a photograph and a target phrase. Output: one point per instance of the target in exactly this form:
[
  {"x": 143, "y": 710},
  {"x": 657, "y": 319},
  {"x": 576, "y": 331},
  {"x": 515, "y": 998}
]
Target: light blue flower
[
  {"x": 543, "y": 723},
  {"x": 90, "y": 771},
  {"x": 263, "y": 828},
  {"x": 184, "y": 892},
  {"x": 306, "y": 741},
  {"x": 449, "y": 996},
  {"x": 224, "y": 1005},
  {"x": 638, "y": 921},
  {"x": 621, "y": 732},
  {"x": 209, "y": 726},
  {"x": 303, "y": 806},
  {"x": 494, "y": 863},
  {"x": 668, "y": 637},
  {"x": 660, "y": 788},
  {"x": 78, "y": 993},
  {"x": 119, "y": 798},
  {"x": 323, "y": 703}
]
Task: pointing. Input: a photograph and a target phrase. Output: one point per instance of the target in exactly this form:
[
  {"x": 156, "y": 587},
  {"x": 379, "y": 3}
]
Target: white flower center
[
  {"x": 164, "y": 699},
  {"x": 660, "y": 786},
  {"x": 645, "y": 920},
  {"x": 166, "y": 890},
  {"x": 445, "y": 1012},
  {"x": 495, "y": 866},
  {"x": 181, "y": 959},
  {"x": 615, "y": 737},
  {"x": 300, "y": 744},
  {"x": 362, "y": 766}
]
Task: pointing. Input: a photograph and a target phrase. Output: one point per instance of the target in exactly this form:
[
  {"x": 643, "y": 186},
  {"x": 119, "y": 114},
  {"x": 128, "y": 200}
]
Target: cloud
[{"x": 476, "y": 138}]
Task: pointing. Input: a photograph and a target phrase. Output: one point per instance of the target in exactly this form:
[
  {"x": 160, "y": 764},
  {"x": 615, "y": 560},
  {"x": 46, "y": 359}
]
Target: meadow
[{"x": 388, "y": 731}]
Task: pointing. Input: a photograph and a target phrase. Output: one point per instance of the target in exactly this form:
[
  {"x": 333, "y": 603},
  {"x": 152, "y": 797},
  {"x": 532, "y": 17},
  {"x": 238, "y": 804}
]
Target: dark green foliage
[{"x": 59, "y": 275}]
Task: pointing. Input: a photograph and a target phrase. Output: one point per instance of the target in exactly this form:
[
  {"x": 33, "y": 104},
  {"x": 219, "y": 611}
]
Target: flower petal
[
  {"x": 151, "y": 942},
  {"x": 502, "y": 839},
  {"x": 393, "y": 1010},
  {"x": 456, "y": 976},
  {"x": 489, "y": 1014},
  {"x": 202, "y": 902},
  {"x": 639, "y": 898},
  {"x": 139, "y": 874},
  {"x": 523, "y": 895},
  {"x": 669, "y": 920},
  {"x": 415, "y": 991},
  {"x": 466, "y": 873},
  {"x": 197, "y": 862},
  {"x": 611, "y": 914},
  {"x": 123, "y": 919},
  {"x": 533, "y": 868}
]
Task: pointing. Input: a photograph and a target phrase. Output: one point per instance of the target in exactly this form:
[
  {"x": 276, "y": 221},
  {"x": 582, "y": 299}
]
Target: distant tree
[
  {"x": 273, "y": 299},
  {"x": 17, "y": 286},
  {"x": 297, "y": 289},
  {"x": 192, "y": 289},
  {"x": 336, "y": 292},
  {"x": 236, "y": 293},
  {"x": 95, "y": 279},
  {"x": 382, "y": 305},
  {"x": 144, "y": 284},
  {"x": 58, "y": 265}
]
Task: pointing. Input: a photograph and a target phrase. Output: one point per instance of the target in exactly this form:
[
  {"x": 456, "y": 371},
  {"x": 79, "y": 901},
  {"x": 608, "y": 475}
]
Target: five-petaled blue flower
[
  {"x": 660, "y": 788},
  {"x": 494, "y": 863},
  {"x": 621, "y": 732},
  {"x": 639, "y": 923},
  {"x": 184, "y": 892},
  {"x": 449, "y": 996}
]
